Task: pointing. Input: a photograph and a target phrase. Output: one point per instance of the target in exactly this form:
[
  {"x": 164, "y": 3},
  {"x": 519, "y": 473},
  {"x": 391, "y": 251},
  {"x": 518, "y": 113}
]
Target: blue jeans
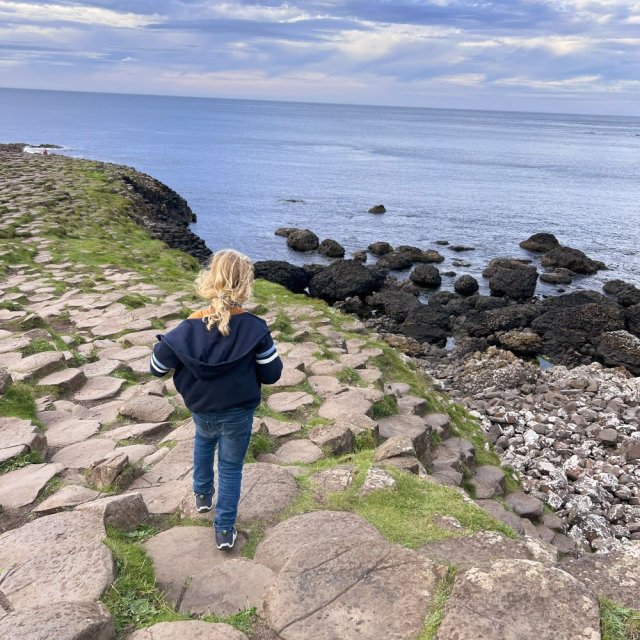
[{"x": 230, "y": 431}]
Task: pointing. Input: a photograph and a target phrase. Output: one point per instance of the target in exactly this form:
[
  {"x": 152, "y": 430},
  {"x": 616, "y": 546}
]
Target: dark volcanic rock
[
  {"x": 426, "y": 275},
  {"x": 542, "y": 242},
  {"x": 284, "y": 232},
  {"x": 572, "y": 259},
  {"x": 396, "y": 261},
  {"x": 507, "y": 263},
  {"x": 558, "y": 276},
  {"x": 302, "y": 240},
  {"x": 380, "y": 248},
  {"x": 395, "y": 303},
  {"x": 427, "y": 323},
  {"x": 360, "y": 256},
  {"x": 314, "y": 269},
  {"x": 331, "y": 249},
  {"x": 378, "y": 208},
  {"x": 632, "y": 316},
  {"x": 487, "y": 322},
  {"x": 345, "y": 278},
  {"x": 288, "y": 275},
  {"x": 620, "y": 348},
  {"x": 516, "y": 281},
  {"x": 627, "y": 294},
  {"x": 420, "y": 255},
  {"x": 459, "y": 248},
  {"x": 466, "y": 285},
  {"x": 572, "y": 323}
]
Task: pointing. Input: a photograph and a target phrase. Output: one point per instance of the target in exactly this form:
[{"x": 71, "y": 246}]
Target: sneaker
[
  {"x": 203, "y": 502},
  {"x": 226, "y": 538}
]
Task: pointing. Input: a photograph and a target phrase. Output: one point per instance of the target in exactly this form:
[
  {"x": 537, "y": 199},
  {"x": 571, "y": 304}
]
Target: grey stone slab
[{"x": 22, "y": 486}]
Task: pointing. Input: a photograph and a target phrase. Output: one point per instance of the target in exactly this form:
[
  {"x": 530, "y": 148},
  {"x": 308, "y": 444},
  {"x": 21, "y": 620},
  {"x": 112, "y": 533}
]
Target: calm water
[{"x": 484, "y": 179}]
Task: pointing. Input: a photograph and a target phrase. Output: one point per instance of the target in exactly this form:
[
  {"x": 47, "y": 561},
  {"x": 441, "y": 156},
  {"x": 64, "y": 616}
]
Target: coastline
[{"x": 87, "y": 288}]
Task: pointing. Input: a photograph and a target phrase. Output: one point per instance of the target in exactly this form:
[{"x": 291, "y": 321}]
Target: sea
[{"x": 483, "y": 179}]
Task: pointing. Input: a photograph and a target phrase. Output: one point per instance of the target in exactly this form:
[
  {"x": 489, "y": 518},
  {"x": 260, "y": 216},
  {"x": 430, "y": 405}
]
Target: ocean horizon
[{"x": 485, "y": 179}]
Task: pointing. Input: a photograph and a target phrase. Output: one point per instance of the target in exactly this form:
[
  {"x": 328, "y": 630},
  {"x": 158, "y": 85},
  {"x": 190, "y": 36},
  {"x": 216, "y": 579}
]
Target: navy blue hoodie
[{"x": 213, "y": 372}]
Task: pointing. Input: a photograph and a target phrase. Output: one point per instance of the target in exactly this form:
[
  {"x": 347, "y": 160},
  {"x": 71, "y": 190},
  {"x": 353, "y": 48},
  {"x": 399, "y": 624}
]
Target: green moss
[
  {"x": 618, "y": 623},
  {"x": 259, "y": 443},
  {"x": 351, "y": 377},
  {"x": 19, "y": 401},
  {"x": 54, "y": 485},
  {"x": 31, "y": 457},
  {"x": 438, "y": 602},
  {"x": 38, "y": 346},
  {"x": 282, "y": 324},
  {"x": 134, "y": 300},
  {"x": 384, "y": 408}
]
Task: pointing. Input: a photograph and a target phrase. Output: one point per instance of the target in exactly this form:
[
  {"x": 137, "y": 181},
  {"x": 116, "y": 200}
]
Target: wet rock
[
  {"x": 380, "y": 248},
  {"x": 516, "y": 281},
  {"x": 302, "y": 240},
  {"x": 378, "y": 208},
  {"x": 395, "y": 260},
  {"x": 345, "y": 278},
  {"x": 331, "y": 249},
  {"x": 427, "y": 323},
  {"x": 427, "y": 276},
  {"x": 540, "y": 242},
  {"x": 466, "y": 285},
  {"x": 620, "y": 348},
  {"x": 572, "y": 259},
  {"x": 395, "y": 303},
  {"x": 558, "y": 276}
]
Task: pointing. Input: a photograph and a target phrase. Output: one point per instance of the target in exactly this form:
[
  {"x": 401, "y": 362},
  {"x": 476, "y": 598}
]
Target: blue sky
[{"x": 543, "y": 55}]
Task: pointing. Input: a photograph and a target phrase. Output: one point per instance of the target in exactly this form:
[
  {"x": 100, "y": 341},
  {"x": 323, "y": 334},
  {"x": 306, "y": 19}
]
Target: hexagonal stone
[
  {"x": 60, "y": 620},
  {"x": 99, "y": 388},
  {"x": 290, "y": 377},
  {"x": 66, "y": 548},
  {"x": 488, "y": 481},
  {"x": 411, "y": 427},
  {"x": 66, "y": 380},
  {"x": 615, "y": 575},
  {"x": 325, "y": 385},
  {"x": 22, "y": 486},
  {"x": 126, "y": 355},
  {"x": 299, "y": 451},
  {"x": 63, "y": 433},
  {"x": 278, "y": 429},
  {"x": 513, "y": 599},
  {"x": 525, "y": 505},
  {"x": 484, "y": 548},
  {"x": 337, "y": 438},
  {"x": 286, "y": 538},
  {"x": 123, "y": 512},
  {"x": 69, "y": 496},
  {"x": 138, "y": 430},
  {"x": 289, "y": 401},
  {"x": 147, "y": 408},
  {"x": 228, "y": 588},
  {"x": 38, "y": 365},
  {"x": 19, "y": 436},
  {"x": 178, "y": 554},
  {"x": 344, "y": 588},
  {"x": 346, "y": 403},
  {"x": 188, "y": 630},
  {"x": 102, "y": 367},
  {"x": 497, "y": 511},
  {"x": 267, "y": 489},
  {"x": 83, "y": 455}
]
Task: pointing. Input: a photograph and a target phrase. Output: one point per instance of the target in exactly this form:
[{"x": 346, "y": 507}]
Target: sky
[{"x": 571, "y": 56}]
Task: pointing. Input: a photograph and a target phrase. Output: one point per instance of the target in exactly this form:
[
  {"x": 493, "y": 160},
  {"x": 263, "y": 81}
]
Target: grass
[
  {"x": 134, "y": 600},
  {"x": 438, "y": 602},
  {"x": 19, "y": 401},
  {"x": 384, "y": 408},
  {"x": 256, "y": 533},
  {"x": 31, "y": 457},
  {"x": 351, "y": 377},
  {"x": 282, "y": 324},
  {"x": 134, "y": 300},
  {"x": 54, "y": 485},
  {"x": 38, "y": 346},
  {"x": 259, "y": 443},
  {"x": 618, "y": 623}
]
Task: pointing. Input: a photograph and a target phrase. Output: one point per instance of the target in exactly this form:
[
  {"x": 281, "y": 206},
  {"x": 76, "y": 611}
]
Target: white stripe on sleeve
[
  {"x": 269, "y": 359},
  {"x": 266, "y": 353},
  {"x": 157, "y": 364}
]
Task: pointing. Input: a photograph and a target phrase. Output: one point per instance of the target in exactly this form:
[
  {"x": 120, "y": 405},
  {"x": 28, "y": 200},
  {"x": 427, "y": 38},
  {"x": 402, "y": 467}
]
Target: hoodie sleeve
[
  {"x": 268, "y": 363},
  {"x": 163, "y": 359}
]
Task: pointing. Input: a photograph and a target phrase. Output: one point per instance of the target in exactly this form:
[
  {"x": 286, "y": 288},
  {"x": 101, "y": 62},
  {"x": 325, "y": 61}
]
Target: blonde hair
[{"x": 226, "y": 283}]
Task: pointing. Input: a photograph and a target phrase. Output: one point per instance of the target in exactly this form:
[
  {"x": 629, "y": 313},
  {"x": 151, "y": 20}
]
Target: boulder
[
  {"x": 395, "y": 303},
  {"x": 488, "y": 481},
  {"x": 521, "y": 342},
  {"x": 360, "y": 256},
  {"x": 540, "y": 242},
  {"x": 378, "y": 208},
  {"x": 284, "y": 232},
  {"x": 125, "y": 512},
  {"x": 620, "y": 349},
  {"x": 427, "y": 323},
  {"x": 331, "y": 249},
  {"x": 505, "y": 263},
  {"x": 427, "y": 276},
  {"x": 419, "y": 255},
  {"x": 558, "y": 276},
  {"x": 380, "y": 248},
  {"x": 337, "y": 438},
  {"x": 632, "y": 316},
  {"x": 515, "y": 282},
  {"x": 395, "y": 261},
  {"x": 413, "y": 428},
  {"x": 288, "y": 275},
  {"x": 59, "y": 621},
  {"x": 572, "y": 259},
  {"x": 512, "y": 600},
  {"x": 525, "y": 505},
  {"x": 345, "y": 278},
  {"x": 343, "y": 588},
  {"x": 626, "y": 294},
  {"x": 302, "y": 240},
  {"x": 466, "y": 285}
]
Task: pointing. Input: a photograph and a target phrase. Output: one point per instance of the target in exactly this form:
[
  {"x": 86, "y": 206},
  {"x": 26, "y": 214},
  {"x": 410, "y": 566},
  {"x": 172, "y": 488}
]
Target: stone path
[{"x": 108, "y": 446}]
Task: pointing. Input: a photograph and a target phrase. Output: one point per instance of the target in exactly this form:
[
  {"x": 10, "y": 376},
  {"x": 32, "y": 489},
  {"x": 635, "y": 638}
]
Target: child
[{"x": 220, "y": 357}]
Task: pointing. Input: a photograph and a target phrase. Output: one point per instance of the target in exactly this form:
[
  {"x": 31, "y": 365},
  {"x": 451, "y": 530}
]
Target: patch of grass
[
  {"x": 19, "y": 401},
  {"x": 282, "y": 324},
  {"x": 31, "y": 457},
  {"x": 168, "y": 444},
  {"x": 618, "y": 623},
  {"x": 351, "y": 377},
  {"x": 384, "y": 408},
  {"x": 134, "y": 300},
  {"x": 436, "y": 610},
  {"x": 180, "y": 414},
  {"x": 243, "y": 621},
  {"x": 125, "y": 374},
  {"x": 38, "y": 346},
  {"x": 259, "y": 443},
  {"x": 365, "y": 440},
  {"x": 264, "y": 411},
  {"x": 54, "y": 485},
  {"x": 256, "y": 533}
]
